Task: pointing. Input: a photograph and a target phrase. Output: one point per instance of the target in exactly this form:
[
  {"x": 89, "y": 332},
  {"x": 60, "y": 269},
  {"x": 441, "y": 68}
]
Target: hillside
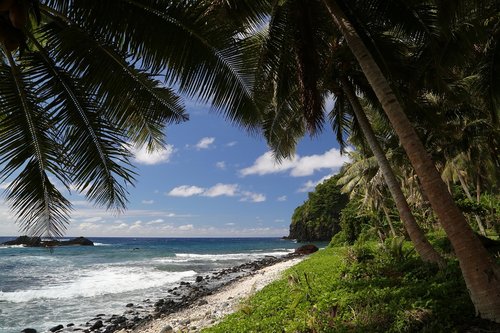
[{"x": 317, "y": 219}]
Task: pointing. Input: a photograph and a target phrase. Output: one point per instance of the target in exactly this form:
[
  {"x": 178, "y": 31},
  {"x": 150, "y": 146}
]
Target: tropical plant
[
  {"x": 79, "y": 84},
  {"x": 473, "y": 257},
  {"x": 414, "y": 24},
  {"x": 290, "y": 69}
]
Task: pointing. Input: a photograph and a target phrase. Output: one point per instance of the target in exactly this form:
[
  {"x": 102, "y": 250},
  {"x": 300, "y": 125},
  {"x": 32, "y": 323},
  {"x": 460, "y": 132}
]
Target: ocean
[{"x": 40, "y": 288}]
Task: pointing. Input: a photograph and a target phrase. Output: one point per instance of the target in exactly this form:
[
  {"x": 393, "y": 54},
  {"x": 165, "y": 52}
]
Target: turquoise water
[{"x": 41, "y": 289}]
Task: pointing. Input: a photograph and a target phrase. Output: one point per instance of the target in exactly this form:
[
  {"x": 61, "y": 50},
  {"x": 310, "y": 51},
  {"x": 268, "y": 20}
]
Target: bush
[{"x": 360, "y": 288}]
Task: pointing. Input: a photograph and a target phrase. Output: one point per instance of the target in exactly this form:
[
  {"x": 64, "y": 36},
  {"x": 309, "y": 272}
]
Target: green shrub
[{"x": 360, "y": 288}]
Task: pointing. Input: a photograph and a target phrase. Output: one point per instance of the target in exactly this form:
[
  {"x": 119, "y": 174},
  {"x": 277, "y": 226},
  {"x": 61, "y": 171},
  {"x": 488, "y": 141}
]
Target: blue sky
[{"x": 212, "y": 180}]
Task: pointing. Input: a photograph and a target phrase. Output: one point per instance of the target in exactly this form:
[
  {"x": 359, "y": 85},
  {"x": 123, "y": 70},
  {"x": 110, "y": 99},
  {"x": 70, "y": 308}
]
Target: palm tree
[
  {"x": 481, "y": 274},
  {"x": 421, "y": 243},
  {"x": 291, "y": 71},
  {"x": 79, "y": 83},
  {"x": 362, "y": 179}
]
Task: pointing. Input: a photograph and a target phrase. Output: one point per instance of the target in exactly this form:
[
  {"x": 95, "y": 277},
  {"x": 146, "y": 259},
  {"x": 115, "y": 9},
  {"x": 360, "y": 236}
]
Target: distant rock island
[{"x": 38, "y": 242}]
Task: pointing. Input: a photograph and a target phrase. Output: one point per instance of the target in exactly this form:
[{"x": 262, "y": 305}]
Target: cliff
[{"x": 318, "y": 218}]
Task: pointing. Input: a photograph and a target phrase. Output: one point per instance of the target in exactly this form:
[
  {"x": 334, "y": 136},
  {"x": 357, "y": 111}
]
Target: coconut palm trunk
[
  {"x": 481, "y": 274},
  {"x": 416, "y": 234}
]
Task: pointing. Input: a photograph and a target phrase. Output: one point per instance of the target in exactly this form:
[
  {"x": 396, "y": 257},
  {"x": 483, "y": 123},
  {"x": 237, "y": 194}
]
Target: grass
[{"x": 362, "y": 288}]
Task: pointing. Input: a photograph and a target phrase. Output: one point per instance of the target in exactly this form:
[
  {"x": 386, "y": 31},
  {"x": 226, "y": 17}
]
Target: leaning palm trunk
[
  {"x": 416, "y": 234},
  {"x": 481, "y": 274}
]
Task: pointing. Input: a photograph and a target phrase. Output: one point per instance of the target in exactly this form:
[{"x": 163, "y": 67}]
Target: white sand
[{"x": 210, "y": 309}]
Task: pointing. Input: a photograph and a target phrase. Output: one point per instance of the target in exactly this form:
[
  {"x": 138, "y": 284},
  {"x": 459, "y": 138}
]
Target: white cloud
[
  {"x": 232, "y": 143},
  {"x": 266, "y": 164},
  {"x": 185, "y": 191},
  {"x": 93, "y": 219},
  {"x": 157, "y": 221},
  {"x": 221, "y": 165},
  {"x": 186, "y": 227},
  {"x": 298, "y": 166},
  {"x": 309, "y": 164},
  {"x": 120, "y": 226},
  {"x": 230, "y": 224},
  {"x": 221, "y": 189},
  {"x": 137, "y": 225},
  {"x": 148, "y": 202},
  {"x": 228, "y": 190},
  {"x": 143, "y": 156},
  {"x": 253, "y": 197},
  {"x": 205, "y": 143},
  {"x": 310, "y": 185},
  {"x": 88, "y": 226},
  {"x": 282, "y": 198}
]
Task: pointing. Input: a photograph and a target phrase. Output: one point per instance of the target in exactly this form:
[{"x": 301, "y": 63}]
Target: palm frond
[{"x": 27, "y": 143}]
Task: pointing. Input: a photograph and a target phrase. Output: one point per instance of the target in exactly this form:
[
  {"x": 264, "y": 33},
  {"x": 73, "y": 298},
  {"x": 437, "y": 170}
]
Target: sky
[{"x": 212, "y": 180}]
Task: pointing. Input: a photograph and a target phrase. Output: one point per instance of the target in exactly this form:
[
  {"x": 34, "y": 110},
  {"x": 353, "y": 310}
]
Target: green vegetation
[
  {"x": 318, "y": 218},
  {"x": 416, "y": 88},
  {"x": 367, "y": 287}
]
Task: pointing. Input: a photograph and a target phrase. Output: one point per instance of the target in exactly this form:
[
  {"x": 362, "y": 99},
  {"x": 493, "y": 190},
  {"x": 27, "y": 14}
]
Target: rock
[
  {"x": 25, "y": 240},
  {"x": 306, "y": 249},
  {"x": 129, "y": 305},
  {"x": 82, "y": 241},
  {"x": 56, "y": 328},
  {"x": 199, "y": 278},
  {"x": 97, "y": 325},
  {"x": 70, "y": 325},
  {"x": 110, "y": 329},
  {"x": 167, "y": 329},
  {"x": 120, "y": 320},
  {"x": 202, "y": 302},
  {"x": 37, "y": 242},
  {"x": 29, "y": 330}
]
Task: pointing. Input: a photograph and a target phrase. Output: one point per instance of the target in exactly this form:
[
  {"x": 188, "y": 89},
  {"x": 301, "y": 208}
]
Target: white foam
[
  {"x": 101, "y": 244},
  {"x": 229, "y": 256},
  {"x": 110, "y": 280},
  {"x": 11, "y": 246}
]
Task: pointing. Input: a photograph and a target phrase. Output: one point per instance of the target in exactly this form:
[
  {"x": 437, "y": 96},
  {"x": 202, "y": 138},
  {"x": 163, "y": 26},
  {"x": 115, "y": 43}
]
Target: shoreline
[
  {"x": 208, "y": 310},
  {"x": 193, "y": 304}
]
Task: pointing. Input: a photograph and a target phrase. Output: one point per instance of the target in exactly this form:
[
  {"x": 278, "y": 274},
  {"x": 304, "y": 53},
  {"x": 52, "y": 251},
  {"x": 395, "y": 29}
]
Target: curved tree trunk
[
  {"x": 416, "y": 234},
  {"x": 481, "y": 274}
]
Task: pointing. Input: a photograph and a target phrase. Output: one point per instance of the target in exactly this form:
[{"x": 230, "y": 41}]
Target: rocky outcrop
[
  {"x": 307, "y": 231},
  {"x": 26, "y": 241},
  {"x": 38, "y": 242},
  {"x": 306, "y": 249}
]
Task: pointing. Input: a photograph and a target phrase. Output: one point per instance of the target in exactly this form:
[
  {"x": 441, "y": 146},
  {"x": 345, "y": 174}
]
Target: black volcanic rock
[
  {"x": 56, "y": 328},
  {"x": 306, "y": 249},
  {"x": 37, "y": 242},
  {"x": 82, "y": 241},
  {"x": 25, "y": 240}
]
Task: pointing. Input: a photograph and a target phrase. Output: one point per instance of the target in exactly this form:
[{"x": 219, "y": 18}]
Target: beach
[{"x": 210, "y": 309}]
